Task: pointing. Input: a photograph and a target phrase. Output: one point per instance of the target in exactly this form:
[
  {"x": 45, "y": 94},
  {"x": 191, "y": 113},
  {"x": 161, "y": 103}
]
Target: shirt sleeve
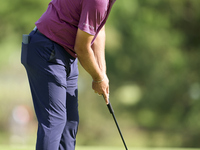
[{"x": 92, "y": 14}]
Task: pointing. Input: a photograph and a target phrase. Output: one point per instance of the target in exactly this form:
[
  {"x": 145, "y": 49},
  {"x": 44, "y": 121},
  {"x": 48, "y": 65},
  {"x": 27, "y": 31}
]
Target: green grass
[{"x": 3, "y": 147}]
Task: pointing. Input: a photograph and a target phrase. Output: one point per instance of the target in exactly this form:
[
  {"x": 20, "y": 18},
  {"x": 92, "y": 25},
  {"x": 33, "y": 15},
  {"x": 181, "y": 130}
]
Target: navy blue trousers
[{"x": 53, "y": 76}]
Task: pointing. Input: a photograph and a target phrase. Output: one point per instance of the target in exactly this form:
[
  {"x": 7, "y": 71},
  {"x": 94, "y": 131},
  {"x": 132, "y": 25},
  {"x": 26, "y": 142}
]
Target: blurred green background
[{"x": 153, "y": 61}]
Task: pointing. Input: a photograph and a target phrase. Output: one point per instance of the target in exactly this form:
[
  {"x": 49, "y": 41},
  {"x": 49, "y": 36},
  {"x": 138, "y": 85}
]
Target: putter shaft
[{"x": 112, "y": 112}]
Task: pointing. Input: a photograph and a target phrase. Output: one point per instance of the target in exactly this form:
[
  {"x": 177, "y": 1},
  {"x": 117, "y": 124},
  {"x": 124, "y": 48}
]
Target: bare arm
[
  {"x": 99, "y": 52},
  {"x": 99, "y": 49},
  {"x": 91, "y": 60}
]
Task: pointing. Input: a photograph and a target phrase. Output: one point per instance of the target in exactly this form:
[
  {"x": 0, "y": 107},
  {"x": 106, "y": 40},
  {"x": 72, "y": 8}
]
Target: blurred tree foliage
[
  {"x": 152, "y": 60},
  {"x": 158, "y": 50}
]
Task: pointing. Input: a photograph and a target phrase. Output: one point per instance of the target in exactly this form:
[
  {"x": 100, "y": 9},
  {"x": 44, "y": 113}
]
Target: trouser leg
[
  {"x": 68, "y": 139},
  {"x": 51, "y": 118},
  {"x": 48, "y": 82}
]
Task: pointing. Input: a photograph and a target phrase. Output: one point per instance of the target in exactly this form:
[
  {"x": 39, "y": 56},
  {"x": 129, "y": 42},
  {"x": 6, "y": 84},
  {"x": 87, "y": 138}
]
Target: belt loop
[{"x": 35, "y": 28}]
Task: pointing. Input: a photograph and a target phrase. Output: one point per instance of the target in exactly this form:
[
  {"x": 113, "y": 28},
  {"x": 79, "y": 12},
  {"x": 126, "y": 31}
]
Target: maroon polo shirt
[{"x": 62, "y": 19}]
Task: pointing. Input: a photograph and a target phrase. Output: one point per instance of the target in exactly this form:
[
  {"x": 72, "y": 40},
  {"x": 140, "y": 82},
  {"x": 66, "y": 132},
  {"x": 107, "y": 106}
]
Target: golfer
[{"x": 69, "y": 29}]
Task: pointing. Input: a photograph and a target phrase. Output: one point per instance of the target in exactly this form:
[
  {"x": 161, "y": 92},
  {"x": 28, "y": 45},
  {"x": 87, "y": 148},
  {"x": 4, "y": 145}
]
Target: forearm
[
  {"x": 99, "y": 50},
  {"x": 89, "y": 63},
  {"x": 92, "y": 60}
]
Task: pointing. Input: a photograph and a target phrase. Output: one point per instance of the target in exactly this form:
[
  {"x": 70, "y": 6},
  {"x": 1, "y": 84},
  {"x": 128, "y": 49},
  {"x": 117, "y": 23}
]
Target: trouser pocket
[
  {"x": 24, "y": 53},
  {"x": 60, "y": 57},
  {"x": 24, "y": 50}
]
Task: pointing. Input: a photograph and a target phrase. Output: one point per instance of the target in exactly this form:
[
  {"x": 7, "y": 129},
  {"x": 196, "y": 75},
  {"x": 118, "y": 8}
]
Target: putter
[{"x": 112, "y": 112}]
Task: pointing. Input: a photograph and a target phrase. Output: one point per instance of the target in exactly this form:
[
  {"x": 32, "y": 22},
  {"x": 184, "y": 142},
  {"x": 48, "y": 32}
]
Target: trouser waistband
[{"x": 37, "y": 31}]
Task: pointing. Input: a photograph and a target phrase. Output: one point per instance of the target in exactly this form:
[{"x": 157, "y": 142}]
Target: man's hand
[{"x": 102, "y": 88}]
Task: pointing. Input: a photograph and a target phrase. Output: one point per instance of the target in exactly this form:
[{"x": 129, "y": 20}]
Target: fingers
[
  {"x": 106, "y": 95},
  {"x": 101, "y": 90},
  {"x": 97, "y": 93},
  {"x": 106, "y": 98}
]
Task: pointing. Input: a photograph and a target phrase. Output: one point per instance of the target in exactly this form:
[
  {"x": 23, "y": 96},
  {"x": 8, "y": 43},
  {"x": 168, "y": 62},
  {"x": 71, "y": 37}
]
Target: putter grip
[{"x": 110, "y": 108}]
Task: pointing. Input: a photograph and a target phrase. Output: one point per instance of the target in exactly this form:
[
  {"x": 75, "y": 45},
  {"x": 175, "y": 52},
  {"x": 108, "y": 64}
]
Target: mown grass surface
[{"x": 3, "y": 147}]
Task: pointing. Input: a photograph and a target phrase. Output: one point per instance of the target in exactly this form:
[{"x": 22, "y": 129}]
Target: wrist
[{"x": 99, "y": 80}]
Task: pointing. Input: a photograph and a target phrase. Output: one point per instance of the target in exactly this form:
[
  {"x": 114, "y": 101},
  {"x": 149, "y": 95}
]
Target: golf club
[{"x": 112, "y": 112}]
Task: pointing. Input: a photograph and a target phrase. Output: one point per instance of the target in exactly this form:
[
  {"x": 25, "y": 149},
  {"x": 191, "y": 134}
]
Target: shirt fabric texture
[{"x": 62, "y": 19}]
